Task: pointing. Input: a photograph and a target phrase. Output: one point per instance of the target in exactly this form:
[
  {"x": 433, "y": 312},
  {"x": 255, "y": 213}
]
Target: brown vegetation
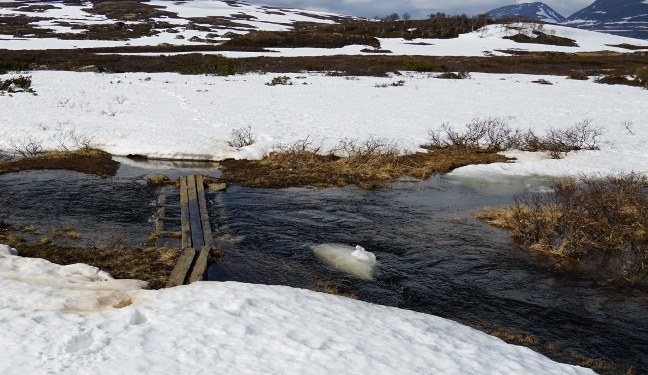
[
  {"x": 297, "y": 39},
  {"x": 153, "y": 265},
  {"x": 514, "y": 337},
  {"x": 129, "y": 10},
  {"x": 86, "y": 161},
  {"x": 542, "y": 38},
  {"x": 365, "y": 167},
  {"x": 602, "y": 220},
  {"x": 526, "y": 63}
]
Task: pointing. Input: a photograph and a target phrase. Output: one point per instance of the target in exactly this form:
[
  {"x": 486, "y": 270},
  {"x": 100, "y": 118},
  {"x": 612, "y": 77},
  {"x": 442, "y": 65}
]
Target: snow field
[
  {"x": 192, "y": 117},
  {"x": 234, "y": 328}
]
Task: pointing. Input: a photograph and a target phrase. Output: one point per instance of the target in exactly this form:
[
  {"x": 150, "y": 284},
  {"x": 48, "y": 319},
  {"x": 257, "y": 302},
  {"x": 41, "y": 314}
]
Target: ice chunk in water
[{"x": 355, "y": 261}]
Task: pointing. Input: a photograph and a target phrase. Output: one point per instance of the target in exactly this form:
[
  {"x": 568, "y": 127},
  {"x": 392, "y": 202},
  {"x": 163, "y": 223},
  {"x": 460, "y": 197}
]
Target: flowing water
[{"x": 433, "y": 257}]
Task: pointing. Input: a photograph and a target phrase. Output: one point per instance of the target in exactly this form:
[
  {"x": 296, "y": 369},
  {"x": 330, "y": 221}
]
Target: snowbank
[
  {"x": 192, "y": 117},
  {"x": 233, "y": 328}
]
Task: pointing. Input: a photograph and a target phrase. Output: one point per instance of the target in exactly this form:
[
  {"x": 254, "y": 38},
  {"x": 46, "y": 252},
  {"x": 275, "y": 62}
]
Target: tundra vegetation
[{"x": 601, "y": 220}]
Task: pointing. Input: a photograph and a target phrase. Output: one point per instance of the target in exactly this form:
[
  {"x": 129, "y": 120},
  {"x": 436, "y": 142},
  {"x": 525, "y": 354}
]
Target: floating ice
[
  {"x": 363, "y": 255},
  {"x": 355, "y": 261}
]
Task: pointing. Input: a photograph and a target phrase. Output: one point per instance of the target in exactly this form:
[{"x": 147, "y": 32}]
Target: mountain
[
  {"x": 621, "y": 17},
  {"x": 537, "y": 11}
]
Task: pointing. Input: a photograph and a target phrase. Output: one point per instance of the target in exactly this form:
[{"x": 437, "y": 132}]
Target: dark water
[{"x": 434, "y": 258}]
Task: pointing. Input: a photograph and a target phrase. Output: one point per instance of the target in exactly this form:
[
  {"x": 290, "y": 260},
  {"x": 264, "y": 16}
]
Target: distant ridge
[
  {"x": 620, "y": 17},
  {"x": 537, "y": 11}
]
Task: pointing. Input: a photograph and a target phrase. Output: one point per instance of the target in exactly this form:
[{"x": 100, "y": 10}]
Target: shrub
[
  {"x": 356, "y": 151},
  {"x": 425, "y": 66},
  {"x": 241, "y": 137},
  {"x": 582, "y": 136},
  {"x": 614, "y": 79},
  {"x": 451, "y": 75},
  {"x": 494, "y": 134},
  {"x": 393, "y": 84},
  {"x": 26, "y": 147},
  {"x": 578, "y": 75},
  {"x": 218, "y": 65},
  {"x": 280, "y": 80},
  {"x": 16, "y": 84},
  {"x": 12, "y": 66},
  {"x": 542, "y": 38},
  {"x": 602, "y": 219},
  {"x": 641, "y": 76},
  {"x": 542, "y": 81}
]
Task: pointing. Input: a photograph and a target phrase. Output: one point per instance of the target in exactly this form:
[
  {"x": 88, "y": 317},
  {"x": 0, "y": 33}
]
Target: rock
[
  {"x": 157, "y": 179},
  {"x": 217, "y": 186},
  {"x": 179, "y": 37}
]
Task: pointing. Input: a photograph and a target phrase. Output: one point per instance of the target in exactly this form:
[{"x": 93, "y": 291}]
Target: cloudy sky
[{"x": 417, "y": 8}]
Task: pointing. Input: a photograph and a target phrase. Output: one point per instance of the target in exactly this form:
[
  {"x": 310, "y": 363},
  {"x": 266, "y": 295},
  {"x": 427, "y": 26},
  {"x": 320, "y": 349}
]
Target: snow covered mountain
[
  {"x": 537, "y": 11},
  {"x": 620, "y": 17}
]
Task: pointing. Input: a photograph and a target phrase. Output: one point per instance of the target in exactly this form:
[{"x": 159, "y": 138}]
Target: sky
[{"x": 417, "y": 8}]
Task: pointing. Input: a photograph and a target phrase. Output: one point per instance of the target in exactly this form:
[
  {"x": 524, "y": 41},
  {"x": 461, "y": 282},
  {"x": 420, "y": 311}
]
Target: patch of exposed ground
[
  {"x": 153, "y": 265},
  {"x": 87, "y": 161},
  {"x": 286, "y": 169}
]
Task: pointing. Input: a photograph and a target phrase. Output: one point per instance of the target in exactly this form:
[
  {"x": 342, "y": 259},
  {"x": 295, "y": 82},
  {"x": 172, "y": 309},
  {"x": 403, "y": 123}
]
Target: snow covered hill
[
  {"x": 537, "y": 11},
  {"x": 620, "y": 17}
]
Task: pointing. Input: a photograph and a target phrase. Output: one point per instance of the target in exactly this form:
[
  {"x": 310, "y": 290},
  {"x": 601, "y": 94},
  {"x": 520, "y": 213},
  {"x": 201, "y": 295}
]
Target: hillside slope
[{"x": 536, "y": 11}]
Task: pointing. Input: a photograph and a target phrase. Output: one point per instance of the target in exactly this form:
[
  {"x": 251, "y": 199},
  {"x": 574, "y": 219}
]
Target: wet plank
[
  {"x": 200, "y": 267},
  {"x": 182, "y": 268},
  {"x": 204, "y": 214},
  {"x": 195, "y": 223},
  {"x": 184, "y": 213}
]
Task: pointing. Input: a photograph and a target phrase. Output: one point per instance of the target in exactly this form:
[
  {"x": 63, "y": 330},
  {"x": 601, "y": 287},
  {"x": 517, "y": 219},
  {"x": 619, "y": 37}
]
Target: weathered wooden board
[
  {"x": 197, "y": 238},
  {"x": 204, "y": 214},
  {"x": 195, "y": 223},
  {"x": 184, "y": 213},
  {"x": 182, "y": 267},
  {"x": 161, "y": 211},
  {"x": 200, "y": 267}
]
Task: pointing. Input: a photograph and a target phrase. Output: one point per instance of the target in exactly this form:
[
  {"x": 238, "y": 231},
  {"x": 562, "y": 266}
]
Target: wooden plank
[
  {"x": 204, "y": 214},
  {"x": 161, "y": 211},
  {"x": 197, "y": 240},
  {"x": 184, "y": 213},
  {"x": 182, "y": 267},
  {"x": 200, "y": 267}
]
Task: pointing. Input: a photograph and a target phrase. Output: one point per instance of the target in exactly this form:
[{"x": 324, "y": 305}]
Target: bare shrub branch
[
  {"x": 241, "y": 137},
  {"x": 495, "y": 134},
  {"x": 26, "y": 147}
]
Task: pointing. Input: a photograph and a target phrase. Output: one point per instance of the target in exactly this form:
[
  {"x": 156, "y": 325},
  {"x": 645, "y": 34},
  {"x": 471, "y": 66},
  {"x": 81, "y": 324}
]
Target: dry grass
[
  {"x": 602, "y": 219},
  {"x": 86, "y": 161},
  {"x": 329, "y": 286},
  {"x": 515, "y": 337},
  {"x": 367, "y": 170},
  {"x": 150, "y": 264}
]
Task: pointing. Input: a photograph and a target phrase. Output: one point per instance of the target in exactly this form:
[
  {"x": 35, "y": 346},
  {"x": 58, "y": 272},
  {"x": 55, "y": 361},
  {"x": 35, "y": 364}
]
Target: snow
[
  {"x": 234, "y": 328},
  {"x": 262, "y": 19},
  {"x": 486, "y": 41},
  {"x": 355, "y": 261},
  {"x": 477, "y": 43},
  {"x": 169, "y": 115}
]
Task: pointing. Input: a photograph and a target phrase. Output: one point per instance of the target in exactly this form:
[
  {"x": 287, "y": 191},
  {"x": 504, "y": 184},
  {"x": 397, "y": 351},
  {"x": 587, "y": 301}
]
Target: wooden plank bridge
[{"x": 197, "y": 239}]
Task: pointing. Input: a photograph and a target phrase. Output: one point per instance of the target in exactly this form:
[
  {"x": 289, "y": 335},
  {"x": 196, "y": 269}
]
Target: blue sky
[{"x": 417, "y": 8}]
